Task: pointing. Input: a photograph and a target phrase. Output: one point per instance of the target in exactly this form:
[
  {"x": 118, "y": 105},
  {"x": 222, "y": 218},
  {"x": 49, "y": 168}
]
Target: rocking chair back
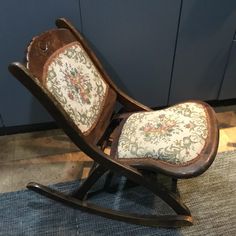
[{"x": 62, "y": 66}]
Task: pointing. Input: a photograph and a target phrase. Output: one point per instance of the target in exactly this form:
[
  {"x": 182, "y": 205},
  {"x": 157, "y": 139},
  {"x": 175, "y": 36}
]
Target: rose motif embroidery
[
  {"x": 175, "y": 135},
  {"x": 75, "y": 82}
]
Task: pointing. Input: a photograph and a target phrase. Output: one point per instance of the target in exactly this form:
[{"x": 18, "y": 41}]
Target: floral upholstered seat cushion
[
  {"x": 76, "y": 84},
  {"x": 175, "y": 135}
]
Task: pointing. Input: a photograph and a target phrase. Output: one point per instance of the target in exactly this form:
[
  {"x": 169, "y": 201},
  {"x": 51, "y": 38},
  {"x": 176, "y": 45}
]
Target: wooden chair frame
[{"x": 104, "y": 163}]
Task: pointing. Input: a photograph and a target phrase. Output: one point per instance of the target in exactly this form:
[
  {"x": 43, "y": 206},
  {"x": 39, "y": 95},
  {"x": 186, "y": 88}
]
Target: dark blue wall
[
  {"x": 19, "y": 22},
  {"x": 158, "y": 51},
  {"x": 205, "y": 34},
  {"x": 228, "y": 89},
  {"x": 135, "y": 39}
]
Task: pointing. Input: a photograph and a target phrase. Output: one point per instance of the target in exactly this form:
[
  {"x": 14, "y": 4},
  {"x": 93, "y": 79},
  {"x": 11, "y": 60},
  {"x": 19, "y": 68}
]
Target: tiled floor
[{"x": 49, "y": 156}]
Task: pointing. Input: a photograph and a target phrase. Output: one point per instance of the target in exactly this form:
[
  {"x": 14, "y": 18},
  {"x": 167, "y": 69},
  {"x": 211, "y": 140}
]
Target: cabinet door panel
[
  {"x": 228, "y": 89},
  {"x": 19, "y": 22},
  {"x": 205, "y": 35},
  {"x": 135, "y": 41}
]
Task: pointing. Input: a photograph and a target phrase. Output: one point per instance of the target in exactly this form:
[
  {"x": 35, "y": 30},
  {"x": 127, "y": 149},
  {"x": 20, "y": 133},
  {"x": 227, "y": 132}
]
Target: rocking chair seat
[{"x": 178, "y": 135}]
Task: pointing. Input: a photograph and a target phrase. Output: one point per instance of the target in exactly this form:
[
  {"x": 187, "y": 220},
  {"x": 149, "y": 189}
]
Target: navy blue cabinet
[
  {"x": 159, "y": 51},
  {"x": 205, "y": 34},
  {"x": 135, "y": 40},
  {"x": 19, "y": 22},
  {"x": 228, "y": 89}
]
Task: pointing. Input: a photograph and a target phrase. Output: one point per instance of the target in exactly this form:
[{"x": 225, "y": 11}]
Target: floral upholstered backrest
[{"x": 73, "y": 80}]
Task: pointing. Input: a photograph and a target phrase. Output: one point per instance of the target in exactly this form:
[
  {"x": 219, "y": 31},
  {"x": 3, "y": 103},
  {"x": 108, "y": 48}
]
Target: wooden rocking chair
[{"x": 180, "y": 141}]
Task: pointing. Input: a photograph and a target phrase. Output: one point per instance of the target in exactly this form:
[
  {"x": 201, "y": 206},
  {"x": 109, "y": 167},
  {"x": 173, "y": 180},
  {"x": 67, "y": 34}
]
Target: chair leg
[
  {"x": 140, "y": 219},
  {"x": 107, "y": 187},
  {"x": 172, "y": 199},
  {"x": 96, "y": 173},
  {"x": 108, "y": 182},
  {"x": 183, "y": 217},
  {"x": 174, "y": 183},
  {"x": 94, "y": 165}
]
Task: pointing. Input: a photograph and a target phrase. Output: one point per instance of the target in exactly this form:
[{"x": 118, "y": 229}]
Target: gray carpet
[{"x": 210, "y": 197}]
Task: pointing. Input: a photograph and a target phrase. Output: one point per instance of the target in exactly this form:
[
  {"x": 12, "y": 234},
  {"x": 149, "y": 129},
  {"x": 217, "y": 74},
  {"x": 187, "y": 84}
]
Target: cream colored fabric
[
  {"x": 175, "y": 135},
  {"x": 74, "y": 81}
]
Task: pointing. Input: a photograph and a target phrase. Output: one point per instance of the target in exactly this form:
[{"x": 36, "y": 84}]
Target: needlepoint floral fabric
[
  {"x": 175, "y": 135},
  {"x": 73, "y": 80}
]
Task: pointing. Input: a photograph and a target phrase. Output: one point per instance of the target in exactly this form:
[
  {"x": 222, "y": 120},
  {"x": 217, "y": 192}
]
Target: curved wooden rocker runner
[{"x": 180, "y": 142}]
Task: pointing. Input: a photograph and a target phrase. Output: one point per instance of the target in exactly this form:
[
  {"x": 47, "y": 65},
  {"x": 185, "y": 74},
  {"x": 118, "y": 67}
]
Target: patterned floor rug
[{"x": 210, "y": 197}]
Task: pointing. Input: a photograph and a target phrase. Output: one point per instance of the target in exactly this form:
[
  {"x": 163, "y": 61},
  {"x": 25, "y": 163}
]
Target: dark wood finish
[
  {"x": 105, "y": 118},
  {"x": 89, "y": 182},
  {"x": 65, "y": 122},
  {"x": 163, "y": 221},
  {"x": 41, "y": 48},
  {"x": 107, "y": 129}
]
